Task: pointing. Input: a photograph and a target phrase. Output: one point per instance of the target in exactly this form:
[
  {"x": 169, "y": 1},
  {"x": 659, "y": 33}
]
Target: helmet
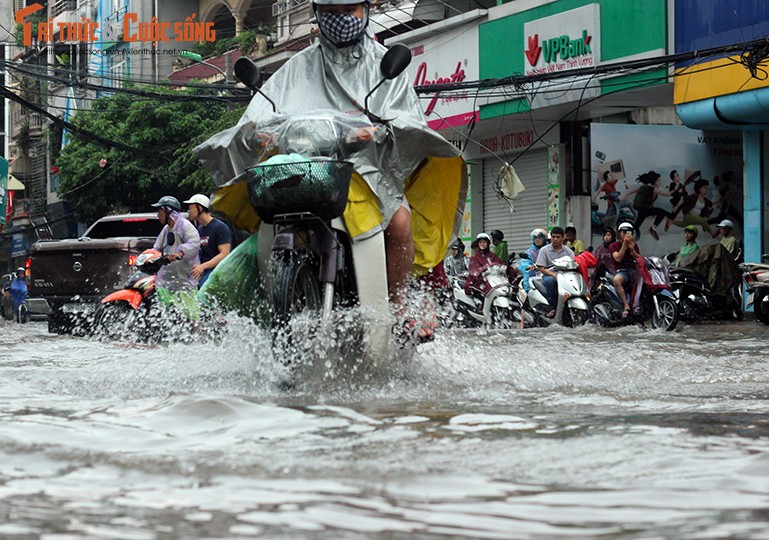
[
  {"x": 692, "y": 229},
  {"x": 726, "y": 223},
  {"x": 167, "y": 202},
  {"x": 483, "y": 236},
  {"x": 625, "y": 227},
  {"x": 458, "y": 245},
  {"x": 538, "y": 233},
  {"x": 497, "y": 235},
  {"x": 200, "y": 199},
  {"x": 21, "y": 270}
]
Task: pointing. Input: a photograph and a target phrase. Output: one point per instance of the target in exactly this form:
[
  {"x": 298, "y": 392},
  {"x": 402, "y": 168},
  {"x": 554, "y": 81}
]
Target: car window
[{"x": 136, "y": 227}]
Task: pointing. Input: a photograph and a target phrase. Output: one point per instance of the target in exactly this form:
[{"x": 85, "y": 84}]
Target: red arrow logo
[{"x": 532, "y": 53}]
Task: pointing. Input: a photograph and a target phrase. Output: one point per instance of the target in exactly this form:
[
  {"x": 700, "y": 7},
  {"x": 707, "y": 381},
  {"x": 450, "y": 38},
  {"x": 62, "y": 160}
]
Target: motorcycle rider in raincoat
[
  {"x": 412, "y": 185},
  {"x": 479, "y": 263},
  {"x": 18, "y": 289},
  {"x": 180, "y": 242}
]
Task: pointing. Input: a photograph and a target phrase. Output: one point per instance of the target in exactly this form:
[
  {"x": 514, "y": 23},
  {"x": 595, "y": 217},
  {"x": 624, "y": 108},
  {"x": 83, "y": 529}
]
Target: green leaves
[{"x": 168, "y": 129}]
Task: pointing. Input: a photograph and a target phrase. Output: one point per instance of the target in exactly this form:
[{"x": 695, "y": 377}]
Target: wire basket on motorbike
[{"x": 290, "y": 184}]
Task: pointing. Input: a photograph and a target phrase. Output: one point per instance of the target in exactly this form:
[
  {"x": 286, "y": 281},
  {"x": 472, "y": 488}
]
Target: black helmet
[
  {"x": 458, "y": 245},
  {"x": 168, "y": 203},
  {"x": 497, "y": 235}
]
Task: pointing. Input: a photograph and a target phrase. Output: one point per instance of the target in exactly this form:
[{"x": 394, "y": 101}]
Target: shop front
[
  {"x": 543, "y": 127},
  {"x": 728, "y": 96}
]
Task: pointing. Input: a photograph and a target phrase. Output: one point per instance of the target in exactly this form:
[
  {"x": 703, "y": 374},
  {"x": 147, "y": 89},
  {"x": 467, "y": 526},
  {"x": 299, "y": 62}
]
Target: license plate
[{"x": 77, "y": 308}]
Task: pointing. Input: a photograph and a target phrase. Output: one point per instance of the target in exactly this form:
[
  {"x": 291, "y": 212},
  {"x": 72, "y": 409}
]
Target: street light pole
[{"x": 199, "y": 59}]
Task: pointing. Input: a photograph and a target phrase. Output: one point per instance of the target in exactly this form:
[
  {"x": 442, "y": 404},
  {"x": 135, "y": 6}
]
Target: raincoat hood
[{"x": 413, "y": 160}]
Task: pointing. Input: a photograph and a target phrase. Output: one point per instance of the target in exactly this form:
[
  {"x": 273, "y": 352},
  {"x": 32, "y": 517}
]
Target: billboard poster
[
  {"x": 554, "y": 199},
  {"x": 18, "y": 245},
  {"x": 560, "y": 43},
  {"x": 663, "y": 178},
  {"x": 450, "y": 56}
]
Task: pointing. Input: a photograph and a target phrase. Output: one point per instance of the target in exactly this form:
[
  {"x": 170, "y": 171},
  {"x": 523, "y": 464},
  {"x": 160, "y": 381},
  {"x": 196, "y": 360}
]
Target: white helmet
[
  {"x": 538, "y": 233},
  {"x": 625, "y": 227},
  {"x": 200, "y": 199},
  {"x": 483, "y": 236},
  {"x": 726, "y": 223}
]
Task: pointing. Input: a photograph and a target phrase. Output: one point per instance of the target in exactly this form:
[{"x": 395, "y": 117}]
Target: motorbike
[
  {"x": 307, "y": 257},
  {"x": 573, "y": 297},
  {"x": 756, "y": 276},
  {"x": 14, "y": 309},
  {"x": 128, "y": 313},
  {"x": 496, "y": 308},
  {"x": 117, "y": 312},
  {"x": 656, "y": 303},
  {"x": 696, "y": 300}
]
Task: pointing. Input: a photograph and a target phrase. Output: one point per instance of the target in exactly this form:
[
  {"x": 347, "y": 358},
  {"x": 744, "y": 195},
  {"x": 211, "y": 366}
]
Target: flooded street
[{"x": 587, "y": 433}]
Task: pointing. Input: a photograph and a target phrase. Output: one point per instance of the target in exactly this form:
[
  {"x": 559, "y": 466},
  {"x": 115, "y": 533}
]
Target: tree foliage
[{"x": 167, "y": 131}]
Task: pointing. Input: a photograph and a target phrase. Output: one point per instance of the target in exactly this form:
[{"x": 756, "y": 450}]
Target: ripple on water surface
[{"x": 531, "y": 434}]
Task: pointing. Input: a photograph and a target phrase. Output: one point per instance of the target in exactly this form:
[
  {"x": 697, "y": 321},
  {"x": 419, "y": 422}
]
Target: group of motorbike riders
[{"x": 616, "y": 257}]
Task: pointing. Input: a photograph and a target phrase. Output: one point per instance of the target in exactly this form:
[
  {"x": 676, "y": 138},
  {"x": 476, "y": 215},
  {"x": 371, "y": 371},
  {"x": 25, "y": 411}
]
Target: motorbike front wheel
[
  {"x": 296, "y": 293},
  {"x": 503, "y": 317},
  {"x": 761, "y": 305},
  {"x": 113, "y": 320},
  {"x": 574, "y": 317},
  {"x": 665, "y": 315},
  {"x": 22, "y": 315},
  {"x": 735, "y": 296},
  {"x": 604, "y": 314}
]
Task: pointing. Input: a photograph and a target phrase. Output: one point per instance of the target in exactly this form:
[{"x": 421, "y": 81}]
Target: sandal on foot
[
  {"x": 413, "y": 330},
  {"x": 653, "y": 233},
  {"x": 625, "y": 313}
]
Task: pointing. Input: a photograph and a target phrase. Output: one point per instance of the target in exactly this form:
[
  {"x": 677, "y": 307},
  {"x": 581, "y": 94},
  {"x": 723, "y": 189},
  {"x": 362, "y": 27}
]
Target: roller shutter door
[{"x": 530, "y": 206}]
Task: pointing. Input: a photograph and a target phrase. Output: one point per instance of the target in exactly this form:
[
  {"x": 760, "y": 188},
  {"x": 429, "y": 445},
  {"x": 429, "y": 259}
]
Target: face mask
[{"x": 341, "y": 28}]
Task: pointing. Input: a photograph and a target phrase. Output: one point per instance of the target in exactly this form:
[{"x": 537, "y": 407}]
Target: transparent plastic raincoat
[{"x": 412, "y": 160}]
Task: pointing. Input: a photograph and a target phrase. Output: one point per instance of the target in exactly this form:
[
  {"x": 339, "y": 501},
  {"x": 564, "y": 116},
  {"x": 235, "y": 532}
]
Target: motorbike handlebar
[{"x": 498, "y": 268}]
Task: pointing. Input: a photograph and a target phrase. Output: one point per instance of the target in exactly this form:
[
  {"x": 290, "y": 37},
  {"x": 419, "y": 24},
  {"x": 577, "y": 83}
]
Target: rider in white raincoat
[{"x": 337, "y": 72}]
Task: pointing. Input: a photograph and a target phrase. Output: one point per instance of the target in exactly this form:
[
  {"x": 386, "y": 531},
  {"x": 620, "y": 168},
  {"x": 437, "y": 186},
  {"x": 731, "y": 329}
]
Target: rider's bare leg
[
  {"x": 618, "y": 286},
  {"x": 399, "y": 250}
]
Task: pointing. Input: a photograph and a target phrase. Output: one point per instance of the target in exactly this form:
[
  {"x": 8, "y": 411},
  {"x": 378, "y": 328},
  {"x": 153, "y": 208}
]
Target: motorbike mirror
[
  {"x": 249, "y": 74},
  {"x": 395, "y": 60}
]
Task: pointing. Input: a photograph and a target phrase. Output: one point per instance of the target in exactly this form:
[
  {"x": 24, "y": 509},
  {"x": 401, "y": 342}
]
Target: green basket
[{"x": 318, "y": 187}]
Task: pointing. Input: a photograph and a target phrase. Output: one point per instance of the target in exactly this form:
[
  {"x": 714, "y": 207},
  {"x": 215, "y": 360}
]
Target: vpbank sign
[{"x": 563, "y": 42}]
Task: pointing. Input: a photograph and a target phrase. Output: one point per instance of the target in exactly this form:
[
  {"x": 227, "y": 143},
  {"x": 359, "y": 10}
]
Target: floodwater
[{"x": 625, "y": 433}]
